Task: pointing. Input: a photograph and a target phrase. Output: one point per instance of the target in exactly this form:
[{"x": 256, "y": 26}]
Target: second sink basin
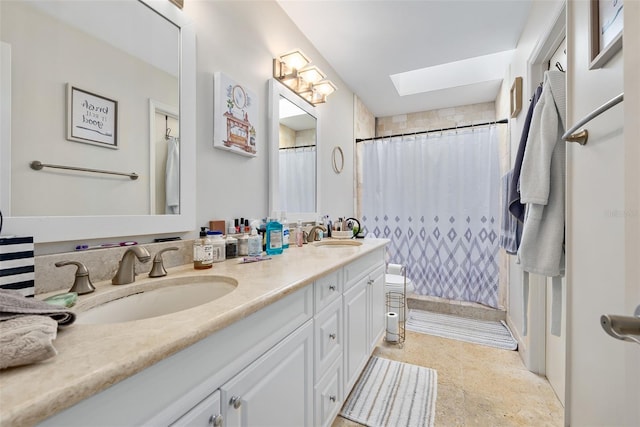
[{"x": 151, "y": 299}]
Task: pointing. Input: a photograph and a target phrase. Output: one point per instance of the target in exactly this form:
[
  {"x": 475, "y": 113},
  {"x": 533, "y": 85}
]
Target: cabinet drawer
[
  {"x": 206, "y": 413},
  {"x": 328, "y": 337},
  {"x": 329, "y": 395},
  {"x": 357, "y": 269},
  {"x": 327, "y": 289}
]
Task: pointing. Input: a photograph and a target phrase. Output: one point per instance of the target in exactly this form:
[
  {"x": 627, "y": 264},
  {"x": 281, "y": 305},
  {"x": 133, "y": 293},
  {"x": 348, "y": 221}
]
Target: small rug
[
  {"x": 484, "y": 332},
  {"x": 391, "y": 393}
]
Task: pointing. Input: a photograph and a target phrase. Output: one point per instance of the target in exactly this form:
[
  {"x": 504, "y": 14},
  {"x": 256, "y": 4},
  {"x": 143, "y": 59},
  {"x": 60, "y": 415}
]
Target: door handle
[{"x": 625, "y": 328}]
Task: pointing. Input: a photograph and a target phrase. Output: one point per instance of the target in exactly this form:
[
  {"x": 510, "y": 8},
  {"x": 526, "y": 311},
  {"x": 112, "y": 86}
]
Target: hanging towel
[
  {"x": 13, "y": 305},
  {"x": 515, "y": 206},
  {"x": 510, "y": 228},
  {"x": 172, "y": 176},
  {"x": 27, "y": 339},
  {"x": 542, "y": 182}
]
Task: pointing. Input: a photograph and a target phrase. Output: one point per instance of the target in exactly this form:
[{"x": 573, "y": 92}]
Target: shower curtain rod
[
  {"x": 503, "y": 121},
  {"x": 299, "y": 146}
]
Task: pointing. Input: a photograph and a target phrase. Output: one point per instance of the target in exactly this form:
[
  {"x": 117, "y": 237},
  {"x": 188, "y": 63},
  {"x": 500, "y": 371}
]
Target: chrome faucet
[
  {"x": 313, "y": 233},
  {"x": 127, "y": 269}
]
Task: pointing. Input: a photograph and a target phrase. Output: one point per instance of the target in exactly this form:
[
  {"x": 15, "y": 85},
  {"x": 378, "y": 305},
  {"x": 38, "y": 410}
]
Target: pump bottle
[{"x": 202, "y": 251}]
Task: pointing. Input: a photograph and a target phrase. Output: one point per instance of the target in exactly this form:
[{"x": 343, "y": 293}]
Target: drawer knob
[
  {"x": 332, "y": 336},
  {"x": 236, "y": 401},
  {"x": 215, "y": 420},
  {"x": 332, "y": 287},
  {"x": 332, "y": 398}
]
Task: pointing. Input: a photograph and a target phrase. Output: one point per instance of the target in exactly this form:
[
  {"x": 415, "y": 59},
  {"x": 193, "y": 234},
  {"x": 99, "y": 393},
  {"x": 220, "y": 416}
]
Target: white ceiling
[{"x": 439, "y": 52}]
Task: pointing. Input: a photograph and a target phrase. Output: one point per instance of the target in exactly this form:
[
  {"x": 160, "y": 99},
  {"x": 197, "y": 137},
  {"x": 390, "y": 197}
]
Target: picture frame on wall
[
  {"x": 91, "y": 118},
  {"x": 606, "y": 25},
  {"x": 235, "y": 114},
  {"x": 515, "y": 96}
]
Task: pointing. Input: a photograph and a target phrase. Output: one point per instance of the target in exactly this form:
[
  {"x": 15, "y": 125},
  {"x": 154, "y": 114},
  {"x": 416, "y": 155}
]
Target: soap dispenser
[{"x": 202, "y": 251}]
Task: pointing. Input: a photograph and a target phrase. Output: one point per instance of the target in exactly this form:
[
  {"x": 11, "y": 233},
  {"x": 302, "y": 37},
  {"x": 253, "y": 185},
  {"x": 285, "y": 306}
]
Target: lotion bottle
[
  {"x": 285, "y": 231},
  {"x": 299, "y": 234}
]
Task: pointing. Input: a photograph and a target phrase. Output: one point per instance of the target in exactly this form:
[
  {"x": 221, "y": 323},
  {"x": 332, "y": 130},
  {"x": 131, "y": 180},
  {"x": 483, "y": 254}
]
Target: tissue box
[{"x": 17, "y": 271}]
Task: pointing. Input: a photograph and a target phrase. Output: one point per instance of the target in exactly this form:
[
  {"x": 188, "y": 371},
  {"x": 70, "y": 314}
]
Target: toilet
[{"x": 394, "y": 282}]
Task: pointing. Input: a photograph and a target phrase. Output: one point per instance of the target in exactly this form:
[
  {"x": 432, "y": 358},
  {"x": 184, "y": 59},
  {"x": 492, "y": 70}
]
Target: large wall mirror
[
  {"x": 293, "y": 139},
  {"x": 108, "y": 86}
]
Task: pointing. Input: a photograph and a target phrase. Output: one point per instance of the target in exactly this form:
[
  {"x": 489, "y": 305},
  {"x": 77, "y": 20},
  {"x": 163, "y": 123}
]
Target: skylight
[{"x": 470, "y": 71}]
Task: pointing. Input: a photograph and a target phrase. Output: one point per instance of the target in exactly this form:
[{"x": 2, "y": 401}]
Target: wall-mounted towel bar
[
  {"x": 581, "y": 137},
  {"x": 37, "y": 165}
]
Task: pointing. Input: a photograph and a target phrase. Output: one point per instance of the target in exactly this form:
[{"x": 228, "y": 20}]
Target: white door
[{"x": 603, "y": 374}]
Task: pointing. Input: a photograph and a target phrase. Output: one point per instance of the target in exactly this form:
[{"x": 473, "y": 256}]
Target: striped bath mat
[
  {"x": 391, "y": 393},
  {"x": 484, "y": 332}
]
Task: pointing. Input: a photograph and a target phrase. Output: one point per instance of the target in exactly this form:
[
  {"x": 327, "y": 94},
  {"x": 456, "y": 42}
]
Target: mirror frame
[
  {"x": 276, "y": 90},
  {"x": 46, "y": 229}
]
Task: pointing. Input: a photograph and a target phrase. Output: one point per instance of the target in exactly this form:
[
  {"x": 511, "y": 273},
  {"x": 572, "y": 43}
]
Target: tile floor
[{"x": 477, "y": 385}]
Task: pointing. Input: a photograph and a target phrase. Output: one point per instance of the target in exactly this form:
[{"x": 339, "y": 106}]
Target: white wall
[{"x": 240, "y": 38}]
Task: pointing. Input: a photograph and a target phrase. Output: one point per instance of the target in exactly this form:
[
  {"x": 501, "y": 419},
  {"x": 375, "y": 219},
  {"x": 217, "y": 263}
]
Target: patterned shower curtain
[{"x": 436, "y": 196}]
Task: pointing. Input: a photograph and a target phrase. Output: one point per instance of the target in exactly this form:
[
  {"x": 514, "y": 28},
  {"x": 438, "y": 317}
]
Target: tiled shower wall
[{"x": 434, "y": 120}]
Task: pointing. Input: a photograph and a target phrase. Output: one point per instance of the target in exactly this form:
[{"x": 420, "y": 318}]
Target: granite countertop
[{"x": 93, "y": 357}]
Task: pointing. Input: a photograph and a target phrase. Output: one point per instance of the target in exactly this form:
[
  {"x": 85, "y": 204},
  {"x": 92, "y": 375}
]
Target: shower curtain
[
  {"x": 297, "y": 179},
  {"x": 436, "y": 196}
]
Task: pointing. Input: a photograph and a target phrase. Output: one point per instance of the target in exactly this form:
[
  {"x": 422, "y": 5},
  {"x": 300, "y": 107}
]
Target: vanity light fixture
[
  {"x": 317, "y": 93},
  {"x": 293, "y": 70}
]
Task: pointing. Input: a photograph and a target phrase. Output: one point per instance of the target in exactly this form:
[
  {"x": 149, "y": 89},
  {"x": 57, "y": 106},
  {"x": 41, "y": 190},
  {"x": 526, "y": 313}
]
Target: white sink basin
[
  {"x": 337, "y": 243},
  {"x": 153, "y": 298}
]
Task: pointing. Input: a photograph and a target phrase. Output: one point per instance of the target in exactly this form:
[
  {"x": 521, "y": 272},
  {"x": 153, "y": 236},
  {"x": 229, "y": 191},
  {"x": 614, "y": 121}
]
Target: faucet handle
[
  {"x": 158, "y": 269},
  {"x": 82, "y": 283}
]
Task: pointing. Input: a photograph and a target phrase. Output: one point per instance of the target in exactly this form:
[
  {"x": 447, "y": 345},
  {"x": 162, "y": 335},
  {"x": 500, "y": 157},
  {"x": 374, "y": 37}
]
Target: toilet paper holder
[{"x": 395, "y": 304}]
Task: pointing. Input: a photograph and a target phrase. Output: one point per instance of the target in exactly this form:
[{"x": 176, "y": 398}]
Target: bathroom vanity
[{"x": 284, "y": 348}]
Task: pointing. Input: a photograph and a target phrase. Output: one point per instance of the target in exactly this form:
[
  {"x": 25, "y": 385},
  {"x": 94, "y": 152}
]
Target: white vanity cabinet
[
  {"x": 291, "y": 363},
  {"x": 205, "y": 414},
  {"x": 363, "y": 305},
  {"x": 275, "y": 390},
  {"x": 328, "y": 348}
]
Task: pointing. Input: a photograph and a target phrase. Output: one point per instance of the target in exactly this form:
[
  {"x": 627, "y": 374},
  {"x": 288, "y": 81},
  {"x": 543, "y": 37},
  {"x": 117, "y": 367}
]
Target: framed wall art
[
  {"x": 605, "y": 31},
  {"x": 515, "y": 95},
  {"x": 91, "y": 118},
  {"x": 235, "y": 113}
]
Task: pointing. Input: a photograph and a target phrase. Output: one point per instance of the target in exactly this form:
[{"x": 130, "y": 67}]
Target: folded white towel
[
  {"x": 13, "y": 304},
  {"x": 27, "y": 339}
]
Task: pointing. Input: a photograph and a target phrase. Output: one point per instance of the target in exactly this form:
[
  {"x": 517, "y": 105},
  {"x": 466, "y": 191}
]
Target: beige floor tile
[{"x": 477, "y": 385}]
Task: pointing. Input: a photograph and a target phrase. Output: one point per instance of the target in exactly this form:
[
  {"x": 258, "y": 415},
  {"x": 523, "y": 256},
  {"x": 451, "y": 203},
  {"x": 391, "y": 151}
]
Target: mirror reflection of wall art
[
  {"x": 91, "y": 118},
  {"x": 235, "y": 112}
]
